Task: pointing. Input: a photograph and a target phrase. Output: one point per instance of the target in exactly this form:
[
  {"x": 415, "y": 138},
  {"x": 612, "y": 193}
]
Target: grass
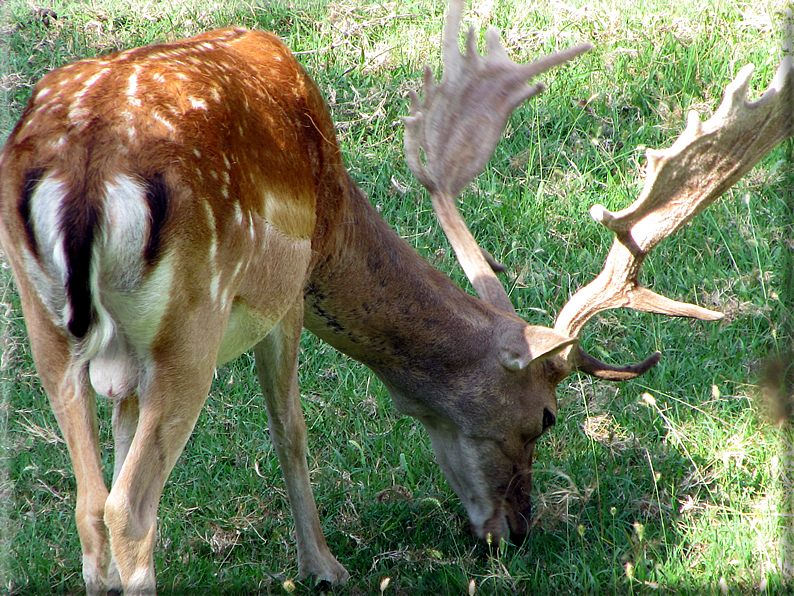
[{"x": 675, "y": 483}]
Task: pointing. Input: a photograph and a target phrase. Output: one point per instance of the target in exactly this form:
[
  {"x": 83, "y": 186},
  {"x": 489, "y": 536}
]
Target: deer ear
[{"x": 537, "y": 342}]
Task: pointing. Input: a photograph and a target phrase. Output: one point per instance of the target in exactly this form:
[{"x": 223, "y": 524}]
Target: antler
[
  {"x": 681, "y": 181},
  {"x": 460, "y": 121},
  {"x": 458, "y": 125}
]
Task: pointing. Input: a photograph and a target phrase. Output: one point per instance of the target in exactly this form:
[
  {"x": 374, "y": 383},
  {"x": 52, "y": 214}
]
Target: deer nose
[
  {"x": 549, "y": 419},
  {"x": 518, "y": 522}
]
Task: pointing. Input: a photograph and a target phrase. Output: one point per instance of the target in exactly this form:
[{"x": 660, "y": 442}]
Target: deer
[{"x": 162, "y": 216}]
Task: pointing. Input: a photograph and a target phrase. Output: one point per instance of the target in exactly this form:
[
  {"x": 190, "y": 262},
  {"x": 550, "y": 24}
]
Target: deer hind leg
[
  {"x": 171, "y": 395},
  {"x": 73, "y": 402},
  {"x": 277, "y": 366},
  {"x": 125, "y": 423}
]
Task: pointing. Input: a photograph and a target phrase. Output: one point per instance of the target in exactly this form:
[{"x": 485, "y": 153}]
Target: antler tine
[
  {"x": 458, "y": 124},
  {"x": 681, "y": 181}
]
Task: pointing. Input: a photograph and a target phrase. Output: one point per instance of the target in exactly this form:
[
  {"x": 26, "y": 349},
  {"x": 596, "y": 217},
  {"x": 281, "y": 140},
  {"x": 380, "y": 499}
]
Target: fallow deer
[{"x": 166, "y": 208}]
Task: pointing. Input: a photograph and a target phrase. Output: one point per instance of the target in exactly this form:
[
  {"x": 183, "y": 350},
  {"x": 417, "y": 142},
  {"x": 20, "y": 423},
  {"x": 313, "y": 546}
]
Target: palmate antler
[
  {"x": 458, "y": 125},
  {"x": 681, "y": 181},
  {"x": 460, "y": 121}
]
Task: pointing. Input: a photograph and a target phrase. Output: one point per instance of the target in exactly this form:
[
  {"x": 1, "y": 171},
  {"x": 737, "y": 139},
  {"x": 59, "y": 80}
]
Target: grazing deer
[{"x": 166, "y": 208}]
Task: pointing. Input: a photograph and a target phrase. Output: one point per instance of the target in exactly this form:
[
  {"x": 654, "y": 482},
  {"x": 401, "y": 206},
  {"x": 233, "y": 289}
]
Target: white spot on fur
[
  {"x": 162, "y": 120},
  {"x": 225, "y": 298},
  {"x": 197, "y": 103},
  {"x": 210, "y": 217},
  {"x": 132, "y": 90},
  {"x": 43, "y": 93},
  {"x": 238, "y": 213},
  {"x": 58, "y": 144},
  {"x": 132, "y": 84},
  {"x": 213, "y": 252},
  {"x": 237, "y": 268},
  {"x": 78, "y": 116},
  {"x": 80, "y": 95},
  {"x": 215, "y": 284}
]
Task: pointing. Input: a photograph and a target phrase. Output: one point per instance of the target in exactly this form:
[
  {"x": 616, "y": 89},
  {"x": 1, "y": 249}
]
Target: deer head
[{"x": 456, "y": 126}]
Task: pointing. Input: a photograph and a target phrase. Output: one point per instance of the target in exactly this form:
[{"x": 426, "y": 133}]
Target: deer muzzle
[
  {"x": 518, "y": 506},
  {"x": 512, "y": 518}
]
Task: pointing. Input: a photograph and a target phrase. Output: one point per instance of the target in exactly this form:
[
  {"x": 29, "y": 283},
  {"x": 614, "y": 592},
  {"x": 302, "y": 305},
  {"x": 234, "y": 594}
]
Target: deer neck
[{"x": 372, "y": 297}]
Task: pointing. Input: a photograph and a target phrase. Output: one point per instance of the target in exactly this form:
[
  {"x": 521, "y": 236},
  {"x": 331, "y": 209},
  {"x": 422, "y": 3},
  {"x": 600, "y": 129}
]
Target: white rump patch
[
  {"x": 116, "y": 267},
  {"x": 49, "y": 279},
  {"x": 125, "y": 233}
]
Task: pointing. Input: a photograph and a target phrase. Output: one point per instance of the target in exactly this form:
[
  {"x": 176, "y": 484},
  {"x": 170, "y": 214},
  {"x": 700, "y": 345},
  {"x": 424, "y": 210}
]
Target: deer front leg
[
  {"x": 170, "y": 398},
  {"x": 277, "y": 365}
]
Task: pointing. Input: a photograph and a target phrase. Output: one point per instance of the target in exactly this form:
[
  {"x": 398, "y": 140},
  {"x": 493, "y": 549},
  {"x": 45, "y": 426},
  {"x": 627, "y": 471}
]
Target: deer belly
[{"x": 244, "y": 330}]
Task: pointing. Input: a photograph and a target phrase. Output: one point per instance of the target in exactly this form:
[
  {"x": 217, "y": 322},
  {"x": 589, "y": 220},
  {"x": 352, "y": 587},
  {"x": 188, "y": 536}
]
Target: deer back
[{"x": 206, "y": 167}]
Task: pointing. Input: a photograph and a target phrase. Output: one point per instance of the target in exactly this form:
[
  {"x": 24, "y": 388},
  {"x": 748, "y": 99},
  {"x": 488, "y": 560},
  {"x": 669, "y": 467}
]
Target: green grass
[{"x": 674, "y": 483}]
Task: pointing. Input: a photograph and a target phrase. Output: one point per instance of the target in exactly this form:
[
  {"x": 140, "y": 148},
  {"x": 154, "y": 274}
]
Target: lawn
[{"x": 676, "y": 483}]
